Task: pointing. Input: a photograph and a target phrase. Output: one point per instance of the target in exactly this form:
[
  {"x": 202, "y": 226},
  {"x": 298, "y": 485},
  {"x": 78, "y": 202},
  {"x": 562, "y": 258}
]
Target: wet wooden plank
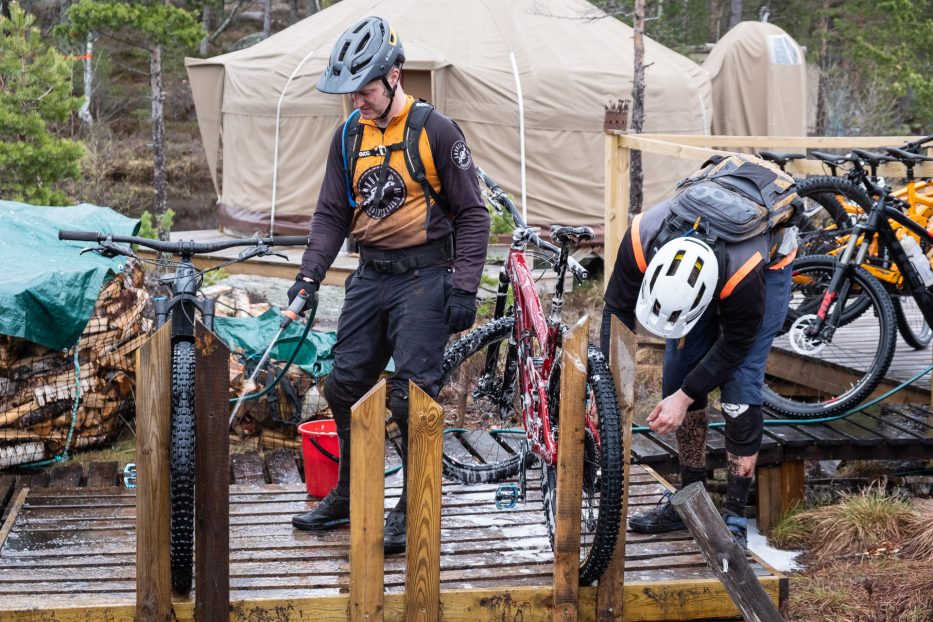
[
  {"x": 103, "y": 474},
  {"x": 66, "y": 476},
  {"x": 246, "y": 468},
  {"x": 282, "y": 467}
]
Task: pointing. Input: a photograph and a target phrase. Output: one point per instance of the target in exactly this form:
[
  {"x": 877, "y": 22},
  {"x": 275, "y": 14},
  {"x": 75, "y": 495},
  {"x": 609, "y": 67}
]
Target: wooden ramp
[{"x": 69, "y": 554}]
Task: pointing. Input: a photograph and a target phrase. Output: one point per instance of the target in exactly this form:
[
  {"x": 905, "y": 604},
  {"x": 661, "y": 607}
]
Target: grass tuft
[{"x": 919, "y": 542}]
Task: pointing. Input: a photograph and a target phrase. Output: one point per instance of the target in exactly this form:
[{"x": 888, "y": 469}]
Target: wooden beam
[
  {"x": 153, "y": 434},
  {"x": 616, "y": 191},
  {"x": 772, "y": 142},
  {"x": 723, "y": 555},
  {"x": 423, "y": 551},
  {"x": 212, "y": 475},
  {"x": 7, "y": 526},
  {"x": 367, "y": 500},
  {"x": 779, "y": 488},
  {"x": 623, "y": 345},
  {"x": 570, "y": 473}
]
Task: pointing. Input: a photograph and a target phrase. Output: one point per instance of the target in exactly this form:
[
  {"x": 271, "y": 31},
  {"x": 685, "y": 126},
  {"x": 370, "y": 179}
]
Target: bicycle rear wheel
[
  {"x": 602, "y": 469},
  {"x": 484, "y": 433},
  {"x": 182, "y": 466},
  {"x": 911, "y": 323},
  {"x": 810, "y": 377}
]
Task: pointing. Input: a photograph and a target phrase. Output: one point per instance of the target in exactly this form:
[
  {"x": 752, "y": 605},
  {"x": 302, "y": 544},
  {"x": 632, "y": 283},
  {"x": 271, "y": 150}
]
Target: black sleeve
[
  {"x": 621, "y": 292},
  {"x": 330, "y": 223},
  {"x": 740, "y": 317},
  {"x": 460, "y": 187}
]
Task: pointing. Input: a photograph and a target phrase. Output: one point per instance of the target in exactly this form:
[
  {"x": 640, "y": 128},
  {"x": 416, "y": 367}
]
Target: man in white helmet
[{"x": 719, "y": 306}]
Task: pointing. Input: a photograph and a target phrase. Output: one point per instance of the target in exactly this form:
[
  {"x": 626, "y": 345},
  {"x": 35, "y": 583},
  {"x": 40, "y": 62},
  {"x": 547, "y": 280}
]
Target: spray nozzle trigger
[{"x": 294, "y": 309}]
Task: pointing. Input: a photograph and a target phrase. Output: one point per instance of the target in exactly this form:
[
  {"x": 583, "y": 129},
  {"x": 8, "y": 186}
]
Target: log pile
[{"x": 38, "y": 386}]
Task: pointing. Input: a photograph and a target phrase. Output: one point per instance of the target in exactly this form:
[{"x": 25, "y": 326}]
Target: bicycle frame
[{"x": 185, "y": 285}]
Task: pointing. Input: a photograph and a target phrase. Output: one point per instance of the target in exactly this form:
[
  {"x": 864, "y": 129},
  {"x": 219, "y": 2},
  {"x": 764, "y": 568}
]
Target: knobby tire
[{"x": 182, "y": 466}]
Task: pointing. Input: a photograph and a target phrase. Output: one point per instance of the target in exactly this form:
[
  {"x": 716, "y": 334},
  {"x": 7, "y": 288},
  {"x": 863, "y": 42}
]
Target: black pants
[{"x": 397, "y": 316}]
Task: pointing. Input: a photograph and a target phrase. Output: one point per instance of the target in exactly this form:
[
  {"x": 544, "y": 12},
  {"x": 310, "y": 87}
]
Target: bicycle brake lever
[
  {"x": 259, "y": 251},
  {"x": 109, "y": 249}
]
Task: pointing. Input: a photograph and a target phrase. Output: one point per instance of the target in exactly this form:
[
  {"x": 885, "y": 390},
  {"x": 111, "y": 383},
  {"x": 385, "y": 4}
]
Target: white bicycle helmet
[{"x": 678, "y": 286}]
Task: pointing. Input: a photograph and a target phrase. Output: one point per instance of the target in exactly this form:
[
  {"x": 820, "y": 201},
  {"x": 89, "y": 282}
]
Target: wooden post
[
  {"x": 570, "y": 474},
  {"x": 779, "y": 488},
  {"x": 609, "y": 593},
  {"x": 423, "y": 555},
  {"x": 212, "y": 476},
  {"x": 723, "y": 555},
  {"x": 153, "y": 434},
  {"x": 616, "y": 194},
  {"x": 367, "y": 506}
]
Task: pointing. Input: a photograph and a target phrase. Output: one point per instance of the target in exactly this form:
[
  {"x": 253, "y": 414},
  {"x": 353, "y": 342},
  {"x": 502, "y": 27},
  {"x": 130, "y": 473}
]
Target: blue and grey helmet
[{"x": 366, "y": 51}]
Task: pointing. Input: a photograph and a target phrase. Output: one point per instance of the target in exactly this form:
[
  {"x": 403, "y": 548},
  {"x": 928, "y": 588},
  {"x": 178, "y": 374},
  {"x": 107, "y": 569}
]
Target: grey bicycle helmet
[{"x": 366, "y": 51}]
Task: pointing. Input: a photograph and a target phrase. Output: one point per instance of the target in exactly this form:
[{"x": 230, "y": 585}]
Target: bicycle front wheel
[
  {"x": 830, "y": 373},
  {"x": 602, "y": 468},
  {"x": 182, "y": 466},
  {"x": 484, "y": 436}
]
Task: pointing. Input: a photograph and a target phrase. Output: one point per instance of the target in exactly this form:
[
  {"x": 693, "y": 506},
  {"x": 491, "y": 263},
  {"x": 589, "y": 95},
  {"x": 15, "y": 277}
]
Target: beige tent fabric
[
  {"x": 571, "y": 58},
  {"x": 759, "y": 79}
]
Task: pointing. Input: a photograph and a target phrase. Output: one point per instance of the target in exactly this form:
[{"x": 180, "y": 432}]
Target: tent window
[{"x": 783, "y": 50}]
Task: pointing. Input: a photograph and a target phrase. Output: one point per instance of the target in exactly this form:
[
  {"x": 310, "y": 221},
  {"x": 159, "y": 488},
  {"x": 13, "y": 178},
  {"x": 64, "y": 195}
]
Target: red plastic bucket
[{"x": 320, "y": 470}]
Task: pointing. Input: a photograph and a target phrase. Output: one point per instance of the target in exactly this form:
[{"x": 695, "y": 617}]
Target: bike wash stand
[{"x": 212, "y": 498}]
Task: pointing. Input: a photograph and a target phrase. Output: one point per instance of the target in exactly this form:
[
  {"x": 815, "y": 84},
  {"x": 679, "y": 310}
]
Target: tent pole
[
  {"x": 521, "y": 130},
  {"x": 275, "y": 147}
]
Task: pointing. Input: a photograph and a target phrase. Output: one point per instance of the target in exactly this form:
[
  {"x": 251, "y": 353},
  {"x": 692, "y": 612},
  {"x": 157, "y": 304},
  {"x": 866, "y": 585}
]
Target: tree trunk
[
  {"x": 85, "y": 111},
  {"x": 5, "y": 9},
  {"x": 636, "y": 176},
  {"x": 735, "y": 12},
  {"x": 823, "y": 64},
  {"x": 158, "y": 137},
  {"x": 206, "y": 22},
  {"x": 266, "y": 19},
  {"x": 713, "y": 21}
]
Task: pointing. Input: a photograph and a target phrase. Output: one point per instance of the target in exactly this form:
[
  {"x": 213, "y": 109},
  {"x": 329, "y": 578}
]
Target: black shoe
[
  {"x": 333, "y": 511},
  {"x": 659, "y": 520},
  {"x": 396, "y": 530},
  {"x": 737, "y": 526}
]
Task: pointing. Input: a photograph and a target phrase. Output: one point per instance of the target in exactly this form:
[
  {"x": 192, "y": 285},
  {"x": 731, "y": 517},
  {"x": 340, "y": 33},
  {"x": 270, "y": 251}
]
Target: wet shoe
[
  {"x": 396, "y": 530},
  {"x": 738, "y": 527},
  {"x": 333, "y": 511},
  {"x": 661, "y": 519}
]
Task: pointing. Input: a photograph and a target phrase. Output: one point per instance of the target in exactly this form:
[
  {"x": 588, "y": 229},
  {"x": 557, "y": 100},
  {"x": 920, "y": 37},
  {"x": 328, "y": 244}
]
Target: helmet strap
[{"x": 390, "y": 91}]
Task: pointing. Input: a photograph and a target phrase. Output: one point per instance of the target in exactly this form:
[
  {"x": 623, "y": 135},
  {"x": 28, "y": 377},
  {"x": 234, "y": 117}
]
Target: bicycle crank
[{"x": 800, "y": 341}]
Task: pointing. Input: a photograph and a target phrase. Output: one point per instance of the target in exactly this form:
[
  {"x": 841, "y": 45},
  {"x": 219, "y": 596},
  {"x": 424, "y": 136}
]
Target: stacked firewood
[{"x": 39, "y": 387}]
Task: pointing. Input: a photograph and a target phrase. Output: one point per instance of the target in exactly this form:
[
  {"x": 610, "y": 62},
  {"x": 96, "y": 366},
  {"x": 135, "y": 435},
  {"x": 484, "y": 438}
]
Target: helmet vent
[{"x": 695, "y": 273}]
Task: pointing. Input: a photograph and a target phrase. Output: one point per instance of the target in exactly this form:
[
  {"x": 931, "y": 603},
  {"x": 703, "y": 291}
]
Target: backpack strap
[
  {"x": 417, "y": 118},
  {"x": 350, "y": 145}
]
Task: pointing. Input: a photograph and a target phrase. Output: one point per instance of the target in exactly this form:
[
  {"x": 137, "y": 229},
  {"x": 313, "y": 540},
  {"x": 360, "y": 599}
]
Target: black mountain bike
[{"x": 182, "y": 306}]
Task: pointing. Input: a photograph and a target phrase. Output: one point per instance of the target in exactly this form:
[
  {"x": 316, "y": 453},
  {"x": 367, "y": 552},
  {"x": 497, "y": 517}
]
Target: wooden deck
[{"x": 69, "y": 554}]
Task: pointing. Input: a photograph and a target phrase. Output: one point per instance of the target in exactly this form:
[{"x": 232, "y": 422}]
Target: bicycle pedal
[
  {"x": 129, "y": 475},
  {"x": 507, "y": 496}
]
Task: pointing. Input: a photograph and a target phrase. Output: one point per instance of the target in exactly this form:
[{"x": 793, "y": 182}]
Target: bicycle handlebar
[
  {"x": 189, "y": 247},
  {"x": 500, "y": 197}
]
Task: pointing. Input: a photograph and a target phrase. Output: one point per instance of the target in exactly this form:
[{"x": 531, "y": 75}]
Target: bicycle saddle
[
  {"x": 571, "y": 236},
  {"x": 907, "y": 157},
  {"x": 873, "y": 158},
  {"x": 781, "y": 159},
  {"x": 831, "y": 157}
]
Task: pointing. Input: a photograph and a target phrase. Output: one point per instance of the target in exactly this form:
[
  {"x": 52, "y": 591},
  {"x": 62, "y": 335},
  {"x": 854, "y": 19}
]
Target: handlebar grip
[
  {"x": 289, "y": 240},
  {"x": 579, "y": 271},
  {"x": 81, "y": 236}
]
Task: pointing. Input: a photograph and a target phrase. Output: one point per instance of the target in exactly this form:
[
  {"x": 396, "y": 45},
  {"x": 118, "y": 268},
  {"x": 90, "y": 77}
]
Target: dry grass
[{"x": 919, "y": 542}]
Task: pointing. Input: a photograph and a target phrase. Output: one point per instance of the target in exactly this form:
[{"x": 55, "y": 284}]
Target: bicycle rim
[
  {"x": 911, "y": 324},
  {"x": 182, "y": 466},
  {"x": 816, "y": 377},
  {"x": 602, "y": 472},
  {"x": 484, "y": 433}
]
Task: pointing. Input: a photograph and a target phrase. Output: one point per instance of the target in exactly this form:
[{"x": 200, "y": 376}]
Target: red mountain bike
[{"x": 501, "y": 393}]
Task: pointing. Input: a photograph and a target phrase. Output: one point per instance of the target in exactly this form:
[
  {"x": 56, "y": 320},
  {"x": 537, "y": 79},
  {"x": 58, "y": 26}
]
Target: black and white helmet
[
  {"x": 677, "y": 287},
  {"x": 366, "y": 51}
]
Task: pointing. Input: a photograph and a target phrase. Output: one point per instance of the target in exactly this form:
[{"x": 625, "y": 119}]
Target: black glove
[
  {"x": 460, "y": 312},
  {"x": 310, "y": 287}
]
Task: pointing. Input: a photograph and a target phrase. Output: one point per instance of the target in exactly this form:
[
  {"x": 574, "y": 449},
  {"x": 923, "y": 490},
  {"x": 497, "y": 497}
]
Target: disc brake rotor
[{"x": 800, "y": 341}]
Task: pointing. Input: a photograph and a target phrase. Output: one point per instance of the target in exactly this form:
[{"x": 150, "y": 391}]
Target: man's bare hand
[{"x": 669, "y": 412}]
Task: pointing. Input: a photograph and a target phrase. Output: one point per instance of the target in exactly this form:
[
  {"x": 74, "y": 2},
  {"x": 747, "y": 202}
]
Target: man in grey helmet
[{"x": 401, "y": 179}]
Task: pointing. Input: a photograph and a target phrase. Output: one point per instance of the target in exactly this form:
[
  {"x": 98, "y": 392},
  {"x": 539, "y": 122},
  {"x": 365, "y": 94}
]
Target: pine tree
[{"x": 35, "y": 97}]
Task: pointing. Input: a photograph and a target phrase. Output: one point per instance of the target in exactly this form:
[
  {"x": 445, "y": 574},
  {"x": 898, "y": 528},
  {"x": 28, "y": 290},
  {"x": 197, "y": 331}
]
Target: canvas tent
[
  {"x": 759, "y": 81},
  {"x": 526, "y": 73}
]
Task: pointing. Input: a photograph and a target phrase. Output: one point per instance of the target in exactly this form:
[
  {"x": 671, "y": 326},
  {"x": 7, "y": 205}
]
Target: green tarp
[
  {"x": 253, "y": 335},
  {"x": 47, "y": 289}
]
